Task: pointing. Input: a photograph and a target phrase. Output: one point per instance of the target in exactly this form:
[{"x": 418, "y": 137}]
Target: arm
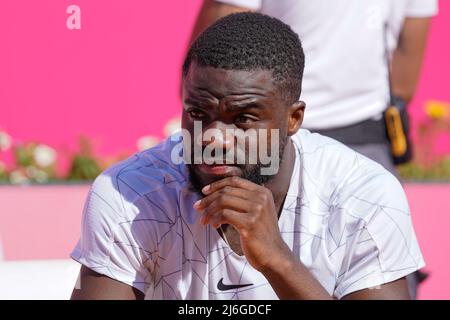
[
  {"x": 291, "y": 280},
  {"x": 407, "y": 58},
  {"x": 250, "y": 209},
  {"x": 210, "y": 12},
  {"x": 108, "y": 247},
  {"x": 395, "y": 290},
  {"x": 94, "y": 286}
]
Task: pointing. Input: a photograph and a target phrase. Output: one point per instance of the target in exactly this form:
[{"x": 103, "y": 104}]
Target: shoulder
[
  {"x": 327, "y": 163},
  {"x": 419, "y": 9},
  {"x": 148, "y": 176},
  {"x": 346, "y": 179},
  {"x": 356, "y": 191}
]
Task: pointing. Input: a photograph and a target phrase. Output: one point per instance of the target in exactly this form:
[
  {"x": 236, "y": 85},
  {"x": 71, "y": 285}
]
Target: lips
[{"x": 215, "y": 169}]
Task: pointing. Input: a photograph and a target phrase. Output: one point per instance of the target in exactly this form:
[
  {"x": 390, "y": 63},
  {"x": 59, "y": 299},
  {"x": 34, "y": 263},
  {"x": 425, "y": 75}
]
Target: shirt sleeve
[
  {"x": 249, "y": 4},
  {"x": 421, "y": 8},
  {"x": 109, "y": 244},
  {"x": 381, "y": 244}
]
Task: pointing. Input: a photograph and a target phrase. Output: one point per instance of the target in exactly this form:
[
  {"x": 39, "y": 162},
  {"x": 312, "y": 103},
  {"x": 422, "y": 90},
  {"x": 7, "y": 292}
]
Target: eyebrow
[
  {"x": 249, "y": 103},
  {"x": 197, "y": 103}
]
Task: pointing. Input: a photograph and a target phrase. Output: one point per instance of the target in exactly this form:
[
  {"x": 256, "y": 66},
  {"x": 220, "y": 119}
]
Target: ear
[{"x": 295, "y": 117}]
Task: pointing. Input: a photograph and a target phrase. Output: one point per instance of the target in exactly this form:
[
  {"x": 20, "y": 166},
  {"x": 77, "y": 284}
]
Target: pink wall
[
  {"x": 435, "y": 77},
  {"x": 430, "y": 210},
  {"x": 116, "y": 79},
  {"x": 44, "y": 223},
  {"x": 41, "y": 222}
]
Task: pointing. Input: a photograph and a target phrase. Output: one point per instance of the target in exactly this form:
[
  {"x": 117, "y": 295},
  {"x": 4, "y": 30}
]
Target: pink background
[
  {"x": 117, "y": 78},
  {"x": 44, "y": 223},
  {"x": 114, "y": 80}
]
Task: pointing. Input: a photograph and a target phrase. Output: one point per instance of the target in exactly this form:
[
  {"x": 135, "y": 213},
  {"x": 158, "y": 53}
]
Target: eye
[
  {"x": 196, "y": 114},
  {"x": 246, "y": 119}
]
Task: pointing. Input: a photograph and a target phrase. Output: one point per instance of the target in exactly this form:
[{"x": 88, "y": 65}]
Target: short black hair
[{"x": 252, "y": 41}]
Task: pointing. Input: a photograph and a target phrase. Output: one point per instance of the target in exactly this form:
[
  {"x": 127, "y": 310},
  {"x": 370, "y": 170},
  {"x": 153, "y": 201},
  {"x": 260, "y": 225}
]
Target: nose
[{"x": 216, "y": 135}]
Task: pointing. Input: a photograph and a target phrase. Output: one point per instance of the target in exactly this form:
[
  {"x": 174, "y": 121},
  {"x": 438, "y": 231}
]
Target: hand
[{"x": 251, "y": 210}]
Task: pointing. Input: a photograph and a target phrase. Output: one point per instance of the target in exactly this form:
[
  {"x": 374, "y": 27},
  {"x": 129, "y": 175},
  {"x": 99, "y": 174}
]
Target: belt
[{"x": 367, "y": 131}]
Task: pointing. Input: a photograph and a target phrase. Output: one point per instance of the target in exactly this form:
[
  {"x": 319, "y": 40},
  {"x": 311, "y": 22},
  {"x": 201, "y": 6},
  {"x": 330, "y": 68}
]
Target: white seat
[{"x": 38, "y": 279}]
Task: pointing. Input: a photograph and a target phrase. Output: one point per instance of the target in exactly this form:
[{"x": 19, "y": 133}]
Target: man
[
  {"x": 326, "y": 223},
  {"x": 346, "y": 78}
]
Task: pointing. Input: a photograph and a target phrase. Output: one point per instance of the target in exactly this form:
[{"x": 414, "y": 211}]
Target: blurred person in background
[{"x": 347, "y": 45}]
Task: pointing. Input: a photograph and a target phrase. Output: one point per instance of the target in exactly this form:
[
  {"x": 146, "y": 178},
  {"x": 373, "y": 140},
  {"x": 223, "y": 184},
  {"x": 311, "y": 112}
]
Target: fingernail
[
  {"x": 197, "y": 204},
  {"x": 206, "y": 189}
]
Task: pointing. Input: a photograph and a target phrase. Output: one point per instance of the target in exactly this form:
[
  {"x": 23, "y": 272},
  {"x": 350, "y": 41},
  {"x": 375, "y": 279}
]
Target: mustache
[{"x": 226, "y": 157}]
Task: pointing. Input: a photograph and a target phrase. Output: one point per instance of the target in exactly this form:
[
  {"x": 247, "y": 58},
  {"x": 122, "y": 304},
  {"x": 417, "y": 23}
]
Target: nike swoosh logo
[{"x": 224, "y": 287}]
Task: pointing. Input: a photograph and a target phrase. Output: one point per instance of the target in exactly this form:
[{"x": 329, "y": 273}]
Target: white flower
[
  {"x": 41, "y": 176},
  {"x": 146, "y": 142},
  {"x": 17, "y": 177},
  {"x": 44, "y": 155},
  {"x": 172, "y": 126},
  {"x": 36, "y": 174},
  {"x": 5, "y": 141}
]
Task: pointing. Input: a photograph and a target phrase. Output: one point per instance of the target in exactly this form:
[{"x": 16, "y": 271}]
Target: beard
[{"x": 249, "y": 172}]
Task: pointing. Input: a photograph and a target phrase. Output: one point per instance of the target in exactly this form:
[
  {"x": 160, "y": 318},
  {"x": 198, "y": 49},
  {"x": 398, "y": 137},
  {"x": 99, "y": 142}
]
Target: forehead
[{"x": 221, "y": 82}]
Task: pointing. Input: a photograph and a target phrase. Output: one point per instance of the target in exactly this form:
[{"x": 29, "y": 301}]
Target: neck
[{"x": 279, "y": 184}]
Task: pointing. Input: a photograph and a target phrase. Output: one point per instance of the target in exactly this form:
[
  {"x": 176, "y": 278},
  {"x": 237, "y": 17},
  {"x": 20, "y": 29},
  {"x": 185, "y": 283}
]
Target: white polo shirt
[
  {"x": 345, "y": 217},
  {"x": 345, "y": 79}
]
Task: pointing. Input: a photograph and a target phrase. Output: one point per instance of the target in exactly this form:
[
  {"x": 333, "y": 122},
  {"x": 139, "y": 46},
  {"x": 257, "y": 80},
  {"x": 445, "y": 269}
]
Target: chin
[{"x": 202, "y": 175}]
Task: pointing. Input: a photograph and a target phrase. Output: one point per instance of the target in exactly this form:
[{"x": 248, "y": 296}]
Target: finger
[
  {"x": 234, "y": 181},
  {"x": 228, "y": 202},
  {"x": 228, "y": 190},
  {"x": 217, "y": 219},
  {"x": 227, "y": 216}
]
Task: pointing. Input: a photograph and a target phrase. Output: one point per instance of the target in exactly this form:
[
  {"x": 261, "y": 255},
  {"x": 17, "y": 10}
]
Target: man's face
[{"x": 231, "y": 101}]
